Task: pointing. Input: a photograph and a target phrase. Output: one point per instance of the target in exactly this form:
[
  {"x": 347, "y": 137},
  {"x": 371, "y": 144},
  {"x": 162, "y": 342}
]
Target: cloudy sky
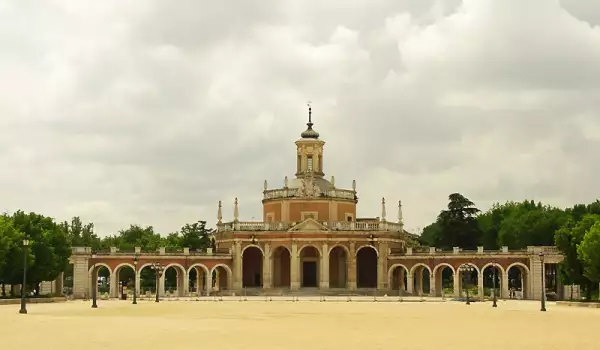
[{"x": 150, "y": 112}]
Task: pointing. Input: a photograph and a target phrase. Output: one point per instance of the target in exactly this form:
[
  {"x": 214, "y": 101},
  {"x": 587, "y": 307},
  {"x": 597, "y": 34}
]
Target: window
[
  {"x": 309, "y": 163},
  {"x": 349, "y": 218}
]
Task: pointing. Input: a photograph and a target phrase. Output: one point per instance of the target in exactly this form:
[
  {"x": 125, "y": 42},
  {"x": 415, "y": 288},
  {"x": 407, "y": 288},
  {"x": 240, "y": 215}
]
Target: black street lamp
[
  {"x": 158, "y": 268},
  {"x": 94, "y": 282},
  {"x": 494, "y": 304},
  {"x": 23, "y": 309},
  {"x": 135, "y": 272},
  {"x": 466, "y": 270},
  {"x": 543, "y": 299}
]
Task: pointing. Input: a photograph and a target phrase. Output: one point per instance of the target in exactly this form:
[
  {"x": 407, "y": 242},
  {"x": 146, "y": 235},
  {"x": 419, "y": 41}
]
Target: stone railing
[
  {"x": 113, "y": 251},
  {"x": 430, "y": 251},
  {"x": 331, "y": 225},
  {"x": 295, "y": 192}
]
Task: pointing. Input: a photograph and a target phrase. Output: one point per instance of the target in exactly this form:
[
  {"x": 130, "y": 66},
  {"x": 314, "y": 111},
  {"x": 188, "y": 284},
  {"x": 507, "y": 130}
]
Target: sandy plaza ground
[{"x": 258, "y": 324}]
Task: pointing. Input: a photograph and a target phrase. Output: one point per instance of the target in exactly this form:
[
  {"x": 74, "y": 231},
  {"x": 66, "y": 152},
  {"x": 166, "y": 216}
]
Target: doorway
[{"x": 309, "y": 274}]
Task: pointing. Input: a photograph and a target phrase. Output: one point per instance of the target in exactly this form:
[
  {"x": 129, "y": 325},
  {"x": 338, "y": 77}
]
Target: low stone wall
[
  {"x": 579, "y": 304},
  {"x": 33, "y": 301}
]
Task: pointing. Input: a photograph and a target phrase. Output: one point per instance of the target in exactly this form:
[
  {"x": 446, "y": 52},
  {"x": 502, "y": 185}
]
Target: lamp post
[
  {"x": 466, "y": 269},
  {"x": 23, "y": 309},
  {"x": 135, "y": 282},
  {"x": 494, "y": 299},
  {"x": 94, "y": 282},
  {"x": 543, "y": 299},
  {"x": 158, "y": 268}
]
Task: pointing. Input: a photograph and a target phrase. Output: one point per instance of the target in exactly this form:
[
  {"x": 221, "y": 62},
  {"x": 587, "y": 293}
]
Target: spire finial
[
  {"x": 309, "y": 133},
  {"x": 236, "y": 212},
  {"x": 399, "y": 212},
  {"x": 383, "y": 209},
  {"x": 220, "y": 213}
]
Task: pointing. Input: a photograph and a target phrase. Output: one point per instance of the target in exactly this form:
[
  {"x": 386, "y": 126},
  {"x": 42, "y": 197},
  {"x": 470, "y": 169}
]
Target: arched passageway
[
  {"x": 338, "y": 268},
  {"x": 221, "y": 278},
  {"x": 468, "y": 280},
  {"x": 492, "y": 280},
  {"x": 421, "y": 279},
  {"x": 198, "y": 280},
  {"x": 281, "y": 267},
  {"x": 147, "y": 280},
  {"x": 102, "y": 280},
  {"x": 518, "y": 282},
  {"x": 125, "y": 275},
  {"x": 252, "y": 265},
  {"x": 174, "y": 277},
  {"x": 398, "y": 278},
  {"x": 309, "y": 267},
  {"x": 366, "y": 267},
  {"x": 444, "y": 280}
]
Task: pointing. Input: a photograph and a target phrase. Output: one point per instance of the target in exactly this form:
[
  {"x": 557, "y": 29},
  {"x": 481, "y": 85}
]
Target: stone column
[
  {"x": 432, "y": 286},
  {"x": 419, "y": 272},
  {"x": 504, "y": 283},
  {"x": 352, "y": 267},
  {"x": 186, "y": 284},
  {"x": 208, "y": 282},
  {"x": 409, "y": 283},
  {"x": 237, "y": 263},
  {"x": 138, "y": 282},
  {"x": 456, "y": 276},
  {"x": 81, "y": 287},
  {"x": 480, "y": 284},
  {"x": 161, "y": 285},
  {"x": 114, "y": 285},
  {"x": 535, "y": 278},
  {"x": 324, "y": 266},
  {"x": 382, "y": 277},
  {"x": 295, "y": 268},
  {"x": 267, "y": 279},
  {"x": 402, "y": 286}
]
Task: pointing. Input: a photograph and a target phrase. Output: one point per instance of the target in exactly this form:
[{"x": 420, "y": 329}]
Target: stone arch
[
  {"x": 281, "y": 266},
  {"x": 307, "y": 246},
  {"x": 472, "y": 283},
  {"x": 252, "y": 246},
  {"x": 221, "y": 283},
  {"x": 490, "y": 284},
  {"x": 111, "y": 279},
  {"x": 438, "y": 273},
  {"x": 518, "y": 287},
  {"x": 126, "y": 283},
  {"x": 338, "y": 258},
  {"x": 339, "y": 246},
  {"x": 198, "y": 278},
  {"x": 368, "y": 246},
  {"x": 366, "y": 267},
  {"x": 252, "y": 266},
  {"x": 420, "y": 281},
  {"x": 310, "y": 265},
  {"x": 398, "y": 280},
  {"x": 181, "y": 276}
]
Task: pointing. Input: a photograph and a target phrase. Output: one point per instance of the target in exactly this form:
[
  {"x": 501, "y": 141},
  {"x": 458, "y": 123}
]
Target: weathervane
[{"x": 309, "y": 104}]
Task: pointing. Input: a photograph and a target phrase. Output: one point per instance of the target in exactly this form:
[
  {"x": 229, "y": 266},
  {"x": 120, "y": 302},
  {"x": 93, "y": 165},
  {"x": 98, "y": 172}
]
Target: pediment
[{"x": 309, "y": 225}]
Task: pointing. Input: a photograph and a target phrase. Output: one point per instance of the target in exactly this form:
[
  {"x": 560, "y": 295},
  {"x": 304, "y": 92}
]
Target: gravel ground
[{"x": 257, "y": 324}]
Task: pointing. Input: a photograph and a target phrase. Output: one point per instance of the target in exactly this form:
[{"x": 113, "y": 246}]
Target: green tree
[
  {"x": 458, "y": 224},
  {"x": 196, "y": 236},
  {"x": 49, "y": 245},
  {"x": 589, "y": 252}
]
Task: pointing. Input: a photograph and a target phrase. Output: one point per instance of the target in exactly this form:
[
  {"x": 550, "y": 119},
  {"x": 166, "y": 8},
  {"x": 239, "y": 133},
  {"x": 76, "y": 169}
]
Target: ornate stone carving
[{"x": 308, "y": 187}]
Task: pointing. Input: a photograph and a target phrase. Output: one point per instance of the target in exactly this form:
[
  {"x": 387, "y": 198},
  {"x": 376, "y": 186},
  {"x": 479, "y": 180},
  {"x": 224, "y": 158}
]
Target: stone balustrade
[
  {"x": 331, "y": 225},
  {"x": 424, "y": 251},
  {"x": 160, "y": 251},
  {"x": 295, "y": 192}
]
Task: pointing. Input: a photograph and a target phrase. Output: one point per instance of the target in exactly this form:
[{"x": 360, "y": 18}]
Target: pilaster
[
  {"x": 324, "y": 266},
  {"x": 267, "y": 281},
  {"x": 432, "y": 286},
  {"x": 81, "y": 287},
  {"x": 352, "y": 267},
  {"x": 294, "y": 266},
  {"x": 480, "y": 285},
  {"x": 457, "y": 285},
  {"x": 237, "y": 264}
]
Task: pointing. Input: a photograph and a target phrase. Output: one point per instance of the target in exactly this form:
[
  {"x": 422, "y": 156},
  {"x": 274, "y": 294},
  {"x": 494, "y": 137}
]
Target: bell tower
[{"x": 309, "y": 151}]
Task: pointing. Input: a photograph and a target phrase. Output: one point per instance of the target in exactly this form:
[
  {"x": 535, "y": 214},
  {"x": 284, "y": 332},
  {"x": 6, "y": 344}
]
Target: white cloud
[{"x": 151, "y": 112}]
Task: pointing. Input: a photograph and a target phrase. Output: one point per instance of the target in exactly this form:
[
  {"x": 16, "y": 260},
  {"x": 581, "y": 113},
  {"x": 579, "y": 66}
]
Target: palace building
[
  {"x": 311, "y": 239},
  {"x": 310, "y": 235}
]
